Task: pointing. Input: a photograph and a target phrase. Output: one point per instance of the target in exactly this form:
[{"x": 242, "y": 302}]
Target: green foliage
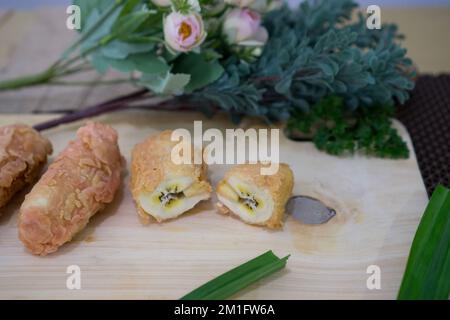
[
  {"x": 182, "y": 6},
  {"x": 312, "y": 56},
  {"x": 121, "y": 50},
  {"x": 147, "y": 63},
  {"x": 230, "y": 94},
  {"x": 165, "y": 83},
  {"x": 202, "y": 72},
  {"x": 130, "y": 39},
  {"x": 312, "y": 52},
  {"x": 128, "y": 23},
  {"x": 337, "y": 131},
  {"x": 315, "y": 52},
  {"x": 318, "y": 66},
  {"x": 88, "y": 6}
]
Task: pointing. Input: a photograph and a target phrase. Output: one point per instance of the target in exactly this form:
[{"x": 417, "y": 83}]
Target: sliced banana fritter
[
  {"x": 161, "y": 188},
  {"x": 256, "y": 199}
]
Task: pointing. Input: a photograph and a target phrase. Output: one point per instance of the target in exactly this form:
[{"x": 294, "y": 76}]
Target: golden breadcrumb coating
[
  {"x": 277, "y": 186},
  {"x": 23, "y": 153},
  {"x": 84, "y": 177},
  {"x": 151, "y": 165}
]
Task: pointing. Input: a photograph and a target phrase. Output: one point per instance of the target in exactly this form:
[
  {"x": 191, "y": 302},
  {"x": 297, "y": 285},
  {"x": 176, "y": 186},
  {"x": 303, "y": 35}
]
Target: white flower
[
  {"x": 183, "y": 33},
  {"x": 243, "y": 27}
]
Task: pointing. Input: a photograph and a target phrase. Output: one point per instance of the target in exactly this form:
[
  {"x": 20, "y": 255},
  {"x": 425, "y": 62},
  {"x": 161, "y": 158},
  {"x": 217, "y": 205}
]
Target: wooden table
[{"x": 30, "y": 41}]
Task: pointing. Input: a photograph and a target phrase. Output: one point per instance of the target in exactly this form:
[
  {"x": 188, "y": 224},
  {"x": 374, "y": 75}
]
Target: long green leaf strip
[
  {"x": 229, "y": 283},
  {"x": 427, "y": 274}
]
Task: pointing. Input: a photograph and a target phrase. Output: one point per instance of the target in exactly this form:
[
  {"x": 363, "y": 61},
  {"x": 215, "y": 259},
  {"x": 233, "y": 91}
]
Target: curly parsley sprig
[{"x": 337, "y": 131}]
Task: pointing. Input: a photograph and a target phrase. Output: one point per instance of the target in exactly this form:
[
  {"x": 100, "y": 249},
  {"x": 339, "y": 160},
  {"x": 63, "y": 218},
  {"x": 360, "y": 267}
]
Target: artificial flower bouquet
[{"x": 327, "y": 75}]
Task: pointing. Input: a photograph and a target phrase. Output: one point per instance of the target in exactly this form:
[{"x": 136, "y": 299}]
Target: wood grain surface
[{"x": 379, "y": 204}]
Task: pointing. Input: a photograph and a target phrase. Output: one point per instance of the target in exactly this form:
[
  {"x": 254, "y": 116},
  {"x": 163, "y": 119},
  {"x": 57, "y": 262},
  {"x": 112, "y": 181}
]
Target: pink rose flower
[
  {"x": 183, "y": 33},
  {"x": 243, "y": 27}
]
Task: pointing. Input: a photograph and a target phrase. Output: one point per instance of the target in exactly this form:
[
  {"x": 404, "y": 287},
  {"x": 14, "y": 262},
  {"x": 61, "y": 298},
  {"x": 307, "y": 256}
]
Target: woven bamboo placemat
[{"x": 427, "y": 117}]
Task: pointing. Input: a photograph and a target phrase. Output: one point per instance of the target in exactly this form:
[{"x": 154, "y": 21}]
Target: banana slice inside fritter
[
  {"x": 161, "y": 188},
  {"x": 251, "y": 204},
  {"x": 255, "y": 198},
  {"x": 173, "y": 197}
]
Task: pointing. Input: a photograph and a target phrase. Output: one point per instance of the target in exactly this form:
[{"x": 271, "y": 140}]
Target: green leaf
[
  {"x": 98, "y": 33},
  {"x": 182, "y": 6},
  {"x": 129, "y": 23},
  {"x": 129, "y": 6},
  {"x": 133, "y": 38},
  {"x": 153, "y": 23},
  {"x": 88, "y": 6},
  {"x": 166, "y": 83},
  {"x": 99, "y": 63},
  {"x": 97, "y": 17},
  {"x": 231, "y": 282},
  {"x": 147, "y": 63},
  {"x": 427, "y": 274},
  {"x": 202, "y": 72},
  {"x": 120, "y": 50},
  {"x": 122, "y": 65}
]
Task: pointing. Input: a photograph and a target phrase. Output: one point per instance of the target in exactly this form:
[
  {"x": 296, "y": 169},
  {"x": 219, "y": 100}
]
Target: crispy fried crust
[
  {"x": 151, "y": 164},
  {"x": 23, "y": 153},
  {"x": 279, "y": 186},
  {"x": 84, "y": 177}
]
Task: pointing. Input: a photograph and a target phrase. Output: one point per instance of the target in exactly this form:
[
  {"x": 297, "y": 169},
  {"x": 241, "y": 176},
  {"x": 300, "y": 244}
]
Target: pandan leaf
[
  {"x": 231, "y": 282},
  {"x": 427, "y": 274}
]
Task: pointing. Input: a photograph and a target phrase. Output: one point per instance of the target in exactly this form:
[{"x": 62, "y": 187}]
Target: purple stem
[
  {"x": 120, "y": 103},
  {"x": 108, "y": 106}
]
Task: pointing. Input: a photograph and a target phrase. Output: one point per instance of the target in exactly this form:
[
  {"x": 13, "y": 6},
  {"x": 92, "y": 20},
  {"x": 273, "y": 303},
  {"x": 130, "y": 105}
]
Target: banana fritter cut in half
[
  {"x": 23, "y": 153},
  {"x": 254, "y": 198},
  {"x": 161, "y": 188},
  {"x": 80, "y": 182}
]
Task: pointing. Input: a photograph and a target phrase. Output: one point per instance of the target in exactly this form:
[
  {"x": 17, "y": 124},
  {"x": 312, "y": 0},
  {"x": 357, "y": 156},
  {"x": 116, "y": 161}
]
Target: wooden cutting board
[{"x": 378, "y": 202}]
